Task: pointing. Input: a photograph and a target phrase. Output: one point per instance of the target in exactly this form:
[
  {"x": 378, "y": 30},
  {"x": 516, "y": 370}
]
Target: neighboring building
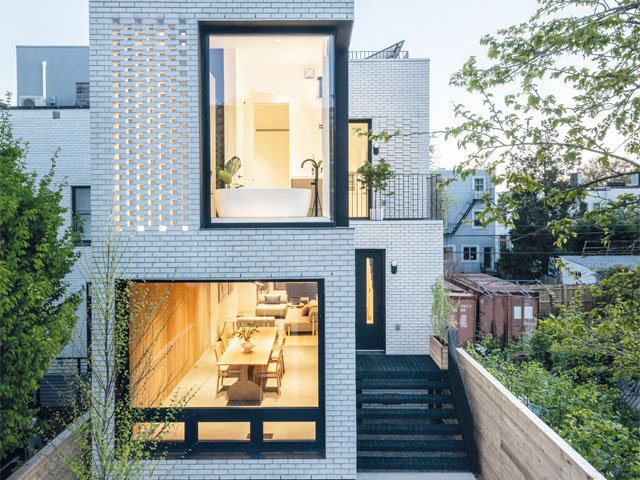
[
  {"x": 599, "y": 196},
  {"x": 174, "y": 96},
  {"x": 61, "y": 130},
  {"x": 469, "y": 247},
  {"x": 579, "y": 270}
]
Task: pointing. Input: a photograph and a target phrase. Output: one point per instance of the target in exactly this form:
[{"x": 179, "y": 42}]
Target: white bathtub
[{"x": 262, "y": 202}]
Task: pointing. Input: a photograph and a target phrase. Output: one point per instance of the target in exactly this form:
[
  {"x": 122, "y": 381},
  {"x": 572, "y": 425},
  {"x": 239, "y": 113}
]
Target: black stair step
[
  {"x": 412, "y": 413},
  {"x": 411, "y": 375},
  {"x": 412, "y": 428},
  {"x": 411, "y": 445},
  {"x": 393, "y": 398},
  {"x": 402, "y": 384},
  {"x": 441, "y": 463}
]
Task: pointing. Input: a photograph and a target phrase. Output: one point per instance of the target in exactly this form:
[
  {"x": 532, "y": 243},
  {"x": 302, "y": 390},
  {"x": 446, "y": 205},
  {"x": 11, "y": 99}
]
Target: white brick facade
[
  {"x": 145, "y": 142},
  {"x": 67, "y": 135},
  {"x": 416, "y": 246},
  {"x": 394, "y": 93}
]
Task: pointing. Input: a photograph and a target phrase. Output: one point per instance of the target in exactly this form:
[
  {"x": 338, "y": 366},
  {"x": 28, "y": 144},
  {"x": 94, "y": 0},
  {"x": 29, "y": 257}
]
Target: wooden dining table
[{"x": 246, "y": 389}]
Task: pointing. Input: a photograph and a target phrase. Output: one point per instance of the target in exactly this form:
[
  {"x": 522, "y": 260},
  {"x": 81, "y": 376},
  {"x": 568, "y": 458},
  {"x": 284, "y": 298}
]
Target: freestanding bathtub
[{"x": 262, "y": 202}]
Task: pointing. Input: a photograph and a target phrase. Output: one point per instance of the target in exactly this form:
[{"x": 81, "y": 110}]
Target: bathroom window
[{"x": 270, "y": 124}]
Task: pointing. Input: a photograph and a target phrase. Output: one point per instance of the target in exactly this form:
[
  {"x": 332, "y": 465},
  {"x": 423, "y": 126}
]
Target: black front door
[{"x": 370, "y": 309}]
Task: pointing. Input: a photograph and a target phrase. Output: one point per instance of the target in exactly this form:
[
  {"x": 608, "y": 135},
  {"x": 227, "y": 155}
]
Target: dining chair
[
  {"x": 225, "y": 342},
  {"x": 273, "y": 370},
  {"x": 224, "y": 370}
]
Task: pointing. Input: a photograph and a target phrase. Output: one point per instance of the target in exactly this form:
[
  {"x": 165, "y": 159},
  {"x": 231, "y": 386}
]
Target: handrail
[{"x": 462, "y": 402}]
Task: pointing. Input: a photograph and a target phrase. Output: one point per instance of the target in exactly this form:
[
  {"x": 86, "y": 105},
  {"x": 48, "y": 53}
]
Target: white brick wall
[
  {"x": 416, "y": 246},
  {"x": 69, "y": 137},
  {"x": 167, "y": 31},
  {"x": 395, "y": 95}
]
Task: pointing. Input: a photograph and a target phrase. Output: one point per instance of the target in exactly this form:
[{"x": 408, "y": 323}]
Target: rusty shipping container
[
  {"x": 464, "y": 304},
  {"x": 504, "y": 309}
]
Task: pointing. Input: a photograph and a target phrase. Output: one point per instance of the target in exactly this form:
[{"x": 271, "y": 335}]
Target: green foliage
[
  {"x": 226, "y": 174},
  {"x": 247, "y": 332},
  {"x": 441, "y": 311},
  {"x": 587, "y": 48},
  {"x": 37, "y": 311},
  {"x": 589, "y": 416},
  {"x": 377, "y": 177},
  {"x": 575, "y": 370}
]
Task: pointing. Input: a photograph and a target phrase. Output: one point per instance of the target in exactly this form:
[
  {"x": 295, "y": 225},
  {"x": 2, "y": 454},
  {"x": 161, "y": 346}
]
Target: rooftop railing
[{"x": 377, "y": 55}]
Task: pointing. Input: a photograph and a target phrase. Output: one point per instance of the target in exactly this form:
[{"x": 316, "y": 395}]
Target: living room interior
[{"x": 186, "y": 351}]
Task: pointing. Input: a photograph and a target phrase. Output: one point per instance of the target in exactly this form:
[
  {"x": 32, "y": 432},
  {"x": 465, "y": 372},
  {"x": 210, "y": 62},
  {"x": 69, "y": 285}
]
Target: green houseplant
[
  {"x": 226, "y": 174},
  {"x": 376, "y": 178},
  {"x": 442, "y": 312},
  {"x": 245, "y": 334}
]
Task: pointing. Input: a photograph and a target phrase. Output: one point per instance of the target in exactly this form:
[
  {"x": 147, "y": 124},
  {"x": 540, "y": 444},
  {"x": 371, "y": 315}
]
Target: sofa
[
  {"x": 272, "y": 304},
  {"x": 303, "y": 320}
]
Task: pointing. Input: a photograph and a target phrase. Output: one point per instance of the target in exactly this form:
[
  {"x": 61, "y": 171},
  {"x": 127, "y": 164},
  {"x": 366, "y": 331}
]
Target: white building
[
  {"x": 176, "y": 94},
  {"x": 577, "y": 270}
]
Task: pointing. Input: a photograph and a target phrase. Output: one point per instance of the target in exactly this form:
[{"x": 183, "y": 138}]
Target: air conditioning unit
[{"x": 36, "y": 101}]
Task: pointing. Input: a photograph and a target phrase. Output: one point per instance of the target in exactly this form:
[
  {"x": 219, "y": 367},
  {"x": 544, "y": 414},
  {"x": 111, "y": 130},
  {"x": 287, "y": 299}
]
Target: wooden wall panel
[
  {"x": 170, "y": 329},
  {"x": 512, "y": 442}
]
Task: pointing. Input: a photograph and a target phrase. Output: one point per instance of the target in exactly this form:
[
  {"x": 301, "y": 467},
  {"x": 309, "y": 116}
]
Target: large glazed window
[
  {"x": 188, "y": 349},
  {"x": 270, "y": 127}
]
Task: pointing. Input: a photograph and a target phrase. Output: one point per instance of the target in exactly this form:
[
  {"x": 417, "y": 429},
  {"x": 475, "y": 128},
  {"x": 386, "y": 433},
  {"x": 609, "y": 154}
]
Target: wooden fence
[
  {"x": 552, "y": 296},
  {"x": 511, "y": 442}
]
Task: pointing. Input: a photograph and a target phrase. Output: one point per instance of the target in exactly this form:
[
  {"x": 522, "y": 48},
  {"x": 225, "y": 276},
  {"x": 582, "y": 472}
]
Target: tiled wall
[
  {"x": 67, "y": 135},
  {"x": 152, "y": 172},
  {"x": 416, "y": 246}
]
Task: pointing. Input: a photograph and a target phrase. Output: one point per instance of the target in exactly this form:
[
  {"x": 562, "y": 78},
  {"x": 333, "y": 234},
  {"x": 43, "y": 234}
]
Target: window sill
[{"x": 272, "y": 222}]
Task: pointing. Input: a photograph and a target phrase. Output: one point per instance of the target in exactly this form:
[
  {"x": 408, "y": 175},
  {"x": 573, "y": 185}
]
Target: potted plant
[
  {"x": 376, "y": 178},
  {"x": 441, "y": 320},
  {"x": 226, "y": 174},
  {"x": 245, "y": 334}
]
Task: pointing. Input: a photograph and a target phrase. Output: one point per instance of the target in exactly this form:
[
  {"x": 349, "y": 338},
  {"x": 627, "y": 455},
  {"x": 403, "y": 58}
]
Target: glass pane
[
  {"x": 271, "y": 124},
  {"x": 84, "y": 225},
  {"x": 358, "y": 156},
  {"x": 370, "y": 293},
  {"x": 83, "y": 199},
  {"x": 224, "y": 431},
  {"x": 186, "y": 348},
  {"x": 159, "y": 432},
  {"x": 289, "y": 431}
]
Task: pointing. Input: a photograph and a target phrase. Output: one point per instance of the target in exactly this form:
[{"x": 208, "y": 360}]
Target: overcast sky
[{"x": 447, "y": 32}]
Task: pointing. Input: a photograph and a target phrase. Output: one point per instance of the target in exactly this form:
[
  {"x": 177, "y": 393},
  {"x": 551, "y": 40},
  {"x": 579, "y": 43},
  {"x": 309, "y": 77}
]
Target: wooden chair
[
  {"x": 225, "y": 342},
  {"x": 279, "y": 349},
  {"x": 224, "y": 370},
  {"x": 273, "y": 370}
]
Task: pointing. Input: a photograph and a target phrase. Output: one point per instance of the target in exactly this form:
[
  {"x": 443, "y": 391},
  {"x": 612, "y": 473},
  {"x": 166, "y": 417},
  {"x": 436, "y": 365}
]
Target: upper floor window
[
  {"x": 270, "y": 117},
  {"x": 476, "y": 219},
  {"x": 478, "y": 185},
  {"x": 470, "y": 254},
  {"x": 81, "y": 212}
]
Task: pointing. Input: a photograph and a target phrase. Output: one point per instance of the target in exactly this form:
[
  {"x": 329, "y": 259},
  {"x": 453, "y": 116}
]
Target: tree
[
  {"x": 37, "y": 310},
  {"x": 585, "y": 50}
]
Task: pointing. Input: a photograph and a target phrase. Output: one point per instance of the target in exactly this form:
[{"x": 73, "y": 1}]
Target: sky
[{"x": 447, "y": 32}]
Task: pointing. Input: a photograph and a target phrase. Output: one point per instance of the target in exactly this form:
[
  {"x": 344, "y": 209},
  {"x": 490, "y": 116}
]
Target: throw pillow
[
  {"x": 271, "y": 299},
  {"x": 305, "y": 310}
]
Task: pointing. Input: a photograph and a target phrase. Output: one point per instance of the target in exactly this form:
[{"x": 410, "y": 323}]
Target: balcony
[{"x": 415, "y": 197}]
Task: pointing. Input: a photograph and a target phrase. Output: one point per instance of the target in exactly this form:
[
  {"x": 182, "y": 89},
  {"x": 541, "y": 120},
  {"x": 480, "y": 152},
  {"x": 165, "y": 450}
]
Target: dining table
[{"x": 245, "y": 389}]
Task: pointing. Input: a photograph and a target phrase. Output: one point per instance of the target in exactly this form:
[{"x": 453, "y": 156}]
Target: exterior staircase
[{"x": 407, "y": 416}]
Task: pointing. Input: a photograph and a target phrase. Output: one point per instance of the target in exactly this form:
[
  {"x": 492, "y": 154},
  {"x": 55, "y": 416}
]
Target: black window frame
[
  {"x": 256, "y": 447},
  {"x": 369, "y": 123},
  {"x": 74, "y": 213},
  {"x": 341, "y": 31}
]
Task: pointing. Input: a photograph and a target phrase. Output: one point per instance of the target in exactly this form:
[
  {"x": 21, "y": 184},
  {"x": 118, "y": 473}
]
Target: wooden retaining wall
[
  {"x": 512, "y": 443},
  {"x": 48, "y": 463}
]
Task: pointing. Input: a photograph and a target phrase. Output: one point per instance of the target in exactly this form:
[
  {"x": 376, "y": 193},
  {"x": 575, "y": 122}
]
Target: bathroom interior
[{"x": 271, "y": 106}]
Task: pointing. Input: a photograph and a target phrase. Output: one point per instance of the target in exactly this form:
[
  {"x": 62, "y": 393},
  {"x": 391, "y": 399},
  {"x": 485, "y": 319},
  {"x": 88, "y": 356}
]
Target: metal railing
[
  {"x": 410, "y": 196},
  {"x": 65, "y": 382},
  {"x": 376, "y": 55}
]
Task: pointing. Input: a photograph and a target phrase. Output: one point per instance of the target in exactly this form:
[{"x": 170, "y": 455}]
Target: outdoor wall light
[
  {"x": 394, "y": 268},
  {"x": 376, "y": 148}
]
